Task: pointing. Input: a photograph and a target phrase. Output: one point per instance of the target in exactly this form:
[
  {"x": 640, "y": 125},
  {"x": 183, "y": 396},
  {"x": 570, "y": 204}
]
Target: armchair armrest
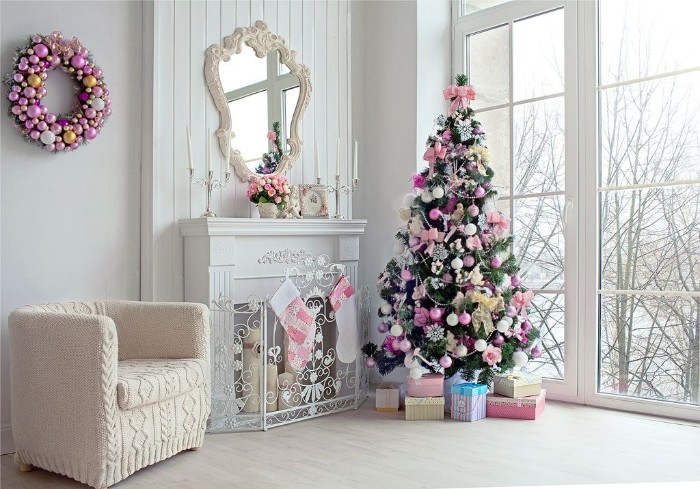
[
  {"x": 161, "y": 329},
  {"x": 64, "y": 374}
]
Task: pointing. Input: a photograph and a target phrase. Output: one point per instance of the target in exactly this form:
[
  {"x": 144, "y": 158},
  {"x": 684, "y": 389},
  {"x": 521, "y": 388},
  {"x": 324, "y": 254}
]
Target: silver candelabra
[
  {"x": 209, "y": 183},
  {"x": 337, "y": 190}
]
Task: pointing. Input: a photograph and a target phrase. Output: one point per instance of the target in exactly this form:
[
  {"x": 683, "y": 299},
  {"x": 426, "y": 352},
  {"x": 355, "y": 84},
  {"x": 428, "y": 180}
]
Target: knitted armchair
[{"x": 102, "y": 389}]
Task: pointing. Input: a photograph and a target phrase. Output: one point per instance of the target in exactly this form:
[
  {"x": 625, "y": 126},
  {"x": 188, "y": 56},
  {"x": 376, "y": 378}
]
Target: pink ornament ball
[
  {"x": 526, "y": 326},
  {"x": 34, "y": 59},
  {"x": 473, "y": 210},
  {"x": 97, "y": 91},
  {"x": 41, "y": 50},
  {"x": 50, "y": 147},
  {"x": 515, "y": 281},
  {"x": 498, "y": 340},
  {"x": 511, "y": 312},
  {"x": 413, "y": 241},
  {"x": 464, "y": 318},
  {"x": 28, "y": 124},
  {"x": 395, "y": 344},
  {"x": 56, "y": 128},
  {"x": 536, "y": 352},
  {"x": 406, "y": 275},
  {"x": 77, "y": 62},
  {"x": 445, "y": 361},
  {"x": 13, "y": 96},
  {"x": 16, "y": 109},
  {"x": 479, "y": 192},
  {"x": 496, "y": 262},
  {"x": 29, "y": 92},
  {"x": 50, "y": 118},
  {"x": 436, "y": 313},
  {"x": 42, "y": 126},
  {"x": 405, "y": 345},
  {"x": 469, "y": 261},
  {"x": 90, "y": 113},
  {"x": 34, "y": 135},
  {"x": 33, "y": 111},
  {"x": 74, "y": 145},
  {"x": 370, "y": 363},
  {"x": 434, "y": 214},
  {"x": 97, "y": 72},
  {"x": 383, "y": 328},
  {"x": 90, "y": 133},
  {"x": 60, "y": 146}
]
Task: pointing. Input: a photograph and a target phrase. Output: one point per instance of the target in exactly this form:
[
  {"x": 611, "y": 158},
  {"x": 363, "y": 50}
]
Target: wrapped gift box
[
  {"x": 468, "y": 401},
  {"x": 387, "y": 397},
  {"x": 520, "y": 408},
  {"x": 517, "y": 384},
  {"x": 429, "y": 385},
  {"x": 425, "y": 408}
]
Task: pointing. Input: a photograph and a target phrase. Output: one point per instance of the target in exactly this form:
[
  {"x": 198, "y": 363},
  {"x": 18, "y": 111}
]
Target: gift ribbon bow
[
  {"x": 482, "y": 314},
  {"x": 432, "y": 154},
  {"x": 55, "y": 42},
  {"x": 429, "y": 237},
  {"x": 460, "y": 95},
  {"x": 498, "y": 221},
  {"x": 521, "y": 300},
  {"x": 454, "y": 229}
]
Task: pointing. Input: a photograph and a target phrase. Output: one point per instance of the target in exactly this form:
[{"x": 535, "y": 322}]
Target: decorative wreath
[{"x": 91, "y": 107}]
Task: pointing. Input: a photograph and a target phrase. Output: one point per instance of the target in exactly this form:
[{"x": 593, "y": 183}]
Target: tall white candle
[
  {"x": 209, "y": 154},
  {"x": 354, "y": 163},
  {"x": 337, "y": 158},
  {"x": 189, "y": 148},
  {"x": 317, "y": 167}
]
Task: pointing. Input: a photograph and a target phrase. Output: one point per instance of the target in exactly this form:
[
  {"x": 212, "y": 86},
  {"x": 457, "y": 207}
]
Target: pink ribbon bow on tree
[
  {"x": 460, "y": 95},
  {"x": 521, "y": 301},
  {"x": 499, "y": 222},
  {"x": 429, "y": 237},
  {"x": 432, "y": 154}
]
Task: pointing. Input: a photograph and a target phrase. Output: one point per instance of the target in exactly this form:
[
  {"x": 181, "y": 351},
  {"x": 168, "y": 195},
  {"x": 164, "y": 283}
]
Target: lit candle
[
  {"x": 354, "y": 165},
  {"x": 189, "y": 148},
  {"x": 317, "y": 168},
  {"x": 337, "y": 158}
]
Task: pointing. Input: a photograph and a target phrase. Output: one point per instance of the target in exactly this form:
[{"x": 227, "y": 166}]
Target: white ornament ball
[
  {"x": 452, "y": 319},
  {"x": 457, "y": 263},
  {"x": 520, "y": 358},
  {"x": 508, "y": 319},
  {"x": 461, "y": 351},
  {"x": 426, "y": 196},
  {"x": 98, "y": 104},
  {"x": 47, "y": 137},
  {"x": 399, "y": 248},
  {"x": 396, "y": 330},
  {"x": 470, "y": 229},
  {"x": 438, "y": 192},
  {"x": 409, "y": 200},
  {"x": 416, "y": 373},
  {"x": 480, "y": 345},
  {"x": 502, "y": 326},
  {"x": 386, "y": 308}
]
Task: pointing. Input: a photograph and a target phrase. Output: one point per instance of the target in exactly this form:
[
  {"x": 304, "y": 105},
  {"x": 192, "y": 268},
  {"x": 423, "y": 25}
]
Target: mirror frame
[{"x": 263, "y": 42}]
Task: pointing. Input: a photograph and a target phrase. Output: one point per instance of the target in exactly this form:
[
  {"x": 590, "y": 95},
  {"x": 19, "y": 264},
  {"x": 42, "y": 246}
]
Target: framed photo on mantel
[{"x": 314, "y": 201}]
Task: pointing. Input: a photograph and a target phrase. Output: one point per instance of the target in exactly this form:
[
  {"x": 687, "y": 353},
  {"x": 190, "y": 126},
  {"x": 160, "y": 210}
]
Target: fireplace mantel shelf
[{"x": 225, "y": 226}]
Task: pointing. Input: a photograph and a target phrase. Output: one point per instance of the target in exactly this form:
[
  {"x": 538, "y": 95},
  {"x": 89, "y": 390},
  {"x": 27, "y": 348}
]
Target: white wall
[
  {"x": 405, "y": 59},
  {"x": 70, "y": 222},
  {"x": 317, "y": 30}
]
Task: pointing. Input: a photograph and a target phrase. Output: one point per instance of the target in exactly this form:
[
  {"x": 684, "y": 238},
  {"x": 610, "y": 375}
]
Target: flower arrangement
[
  {"x": 31, "y": 66},
  {"x": 453, "y": 302},
  {"x": 269, "y": 189},
  {"x": 271, "y": 159}
]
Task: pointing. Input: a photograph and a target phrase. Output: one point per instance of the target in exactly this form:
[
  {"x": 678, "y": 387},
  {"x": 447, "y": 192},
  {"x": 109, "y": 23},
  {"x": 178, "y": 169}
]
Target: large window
[{"x": 592, "y": 113}]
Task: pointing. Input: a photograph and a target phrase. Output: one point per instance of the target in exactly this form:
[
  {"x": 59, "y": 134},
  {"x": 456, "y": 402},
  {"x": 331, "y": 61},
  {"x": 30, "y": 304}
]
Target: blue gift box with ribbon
[{"x": 468, "y": 401}]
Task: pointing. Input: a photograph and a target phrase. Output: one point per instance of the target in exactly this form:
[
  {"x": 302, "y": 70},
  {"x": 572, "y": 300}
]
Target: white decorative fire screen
[{"x": 254, "y": 386}]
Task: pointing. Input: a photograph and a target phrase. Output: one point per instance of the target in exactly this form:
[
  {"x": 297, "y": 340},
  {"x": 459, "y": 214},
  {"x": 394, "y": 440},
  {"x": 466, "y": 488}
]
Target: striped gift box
[{"x": 468, "y": 402}]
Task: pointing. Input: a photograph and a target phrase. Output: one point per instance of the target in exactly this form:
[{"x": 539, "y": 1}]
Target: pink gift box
[
  {"x": 429, "y": 385},
  {"x": 522, "y": 408}
]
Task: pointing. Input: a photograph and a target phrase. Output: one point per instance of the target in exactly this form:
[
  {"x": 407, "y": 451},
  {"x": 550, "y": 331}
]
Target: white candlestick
[
  {"x": 209, "y": 155},
  {"x": 354, "y": 163},
  {"x": 337, "y": 159},
  {"x": 317, "y": 168},
  {"x": 189, "y": 148}
]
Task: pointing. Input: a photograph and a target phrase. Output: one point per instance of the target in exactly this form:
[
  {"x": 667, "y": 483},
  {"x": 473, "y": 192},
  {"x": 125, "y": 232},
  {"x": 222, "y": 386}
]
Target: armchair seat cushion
[{"x": 142, "y": 382}]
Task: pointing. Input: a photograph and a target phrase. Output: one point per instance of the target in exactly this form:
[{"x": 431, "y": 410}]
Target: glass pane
[
  {"x": 489, "y": 66},
  {"x": 649, "y": 347},
  {"x": 471, "y": 6},
  {"x": 249, "y": 124},
  {"x": 289, "y": 103},
  {"x": 651, "y": 131},
  {"x": 651, "y": 239},
  {"x": 547, "y": 313},
  {"x": 496, "y": 125},
  {"x": 242, "y": 70},
  {"x": 538, "y": 55},
  {"x": 640, "y": 38},
  {"x": 538, "y": 146},
  {"x": 539, "y": 241}
]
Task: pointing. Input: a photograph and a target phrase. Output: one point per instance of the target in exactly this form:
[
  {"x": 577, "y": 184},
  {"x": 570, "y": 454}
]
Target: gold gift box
[
  {"x": 425, "y": 408},
  {"x": 517, "y": 385}
]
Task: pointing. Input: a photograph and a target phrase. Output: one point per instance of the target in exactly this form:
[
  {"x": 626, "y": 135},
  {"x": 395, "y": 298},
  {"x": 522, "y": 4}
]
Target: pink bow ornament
[
  {"x": 432, "y": 154},
  {"x": 499, "y": 223},
  {"x": 460, "y": 95},
  {"x": 429, "y": 237},
  {"x": 521, "y": 301}
]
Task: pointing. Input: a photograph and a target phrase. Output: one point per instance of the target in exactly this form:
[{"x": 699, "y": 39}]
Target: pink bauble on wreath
[{"x": 33, "y": 62}]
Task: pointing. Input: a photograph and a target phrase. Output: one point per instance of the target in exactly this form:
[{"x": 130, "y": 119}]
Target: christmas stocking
[
  {"x": 297, "y": 321},
  {"x": 342, "y": 299}
]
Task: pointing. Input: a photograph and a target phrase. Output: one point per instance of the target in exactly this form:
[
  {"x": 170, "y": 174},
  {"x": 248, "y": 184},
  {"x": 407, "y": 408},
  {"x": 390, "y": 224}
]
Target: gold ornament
[
  {"x": 89, "y": 81},
  {"x": 69, "y": 137},
  {"x": 34, "y": 80}
]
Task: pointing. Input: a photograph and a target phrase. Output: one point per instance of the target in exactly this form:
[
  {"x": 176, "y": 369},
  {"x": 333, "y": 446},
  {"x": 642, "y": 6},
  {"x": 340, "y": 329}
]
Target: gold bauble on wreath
[
  {"x": 89, "y": 81},
  {"x": 34, "y": 81},
  {"x": 69, "y": 137}
]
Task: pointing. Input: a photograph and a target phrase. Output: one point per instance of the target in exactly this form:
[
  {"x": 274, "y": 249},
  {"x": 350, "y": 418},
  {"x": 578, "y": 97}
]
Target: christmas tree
[{"x": 451, "y": 299}]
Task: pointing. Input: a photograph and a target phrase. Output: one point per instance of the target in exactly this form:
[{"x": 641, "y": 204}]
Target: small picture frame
[{"x": 313, "y": 201}]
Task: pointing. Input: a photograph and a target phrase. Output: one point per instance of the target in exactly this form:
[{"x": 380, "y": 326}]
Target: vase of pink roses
[{"x": 270, "y": 193}]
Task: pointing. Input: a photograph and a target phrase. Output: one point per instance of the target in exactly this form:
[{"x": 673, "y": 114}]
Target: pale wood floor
[{"x": 569, "y": 444}]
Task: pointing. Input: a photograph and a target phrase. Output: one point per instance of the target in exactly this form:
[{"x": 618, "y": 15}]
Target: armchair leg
[
  {"x": 22, "y": 466},
  {"x": 194, "y": 449}
]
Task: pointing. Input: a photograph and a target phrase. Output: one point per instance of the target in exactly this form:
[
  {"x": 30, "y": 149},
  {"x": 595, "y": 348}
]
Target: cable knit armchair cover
[{"x": 102, "y": 389}]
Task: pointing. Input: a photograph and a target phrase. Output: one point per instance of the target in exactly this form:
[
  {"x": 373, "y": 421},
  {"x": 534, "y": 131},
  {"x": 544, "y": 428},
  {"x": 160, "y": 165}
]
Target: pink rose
[
  {"x": 271, "y": 192},
  {"x": 474, "y": 243},
  {"x": 492, "y": 355},
  {"x": 278, "y": 199}
]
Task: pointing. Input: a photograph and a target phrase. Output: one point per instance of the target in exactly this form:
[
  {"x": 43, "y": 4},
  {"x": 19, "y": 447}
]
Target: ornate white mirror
[{"x": 261, "y": 93}]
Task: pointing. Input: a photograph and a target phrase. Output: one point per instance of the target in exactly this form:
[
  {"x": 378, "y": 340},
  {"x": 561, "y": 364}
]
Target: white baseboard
[{"x": 8, "y": 444}]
